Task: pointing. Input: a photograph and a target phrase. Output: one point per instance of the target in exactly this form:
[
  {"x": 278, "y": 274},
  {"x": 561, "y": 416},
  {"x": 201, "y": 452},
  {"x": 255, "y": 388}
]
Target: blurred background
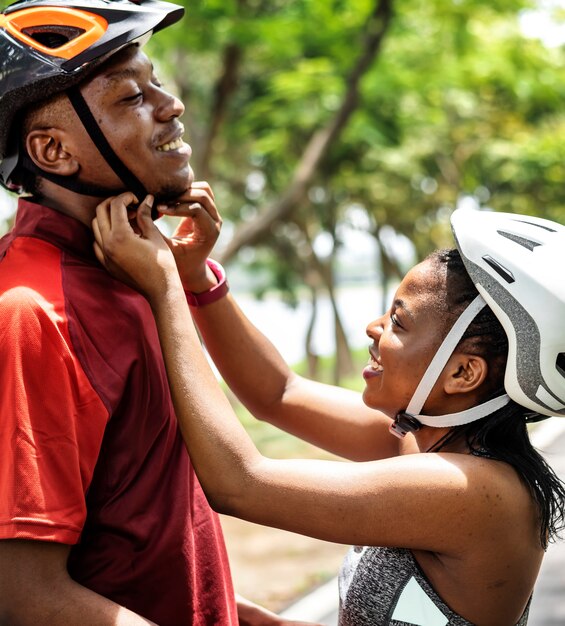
[{"x": 338, "y": 136}]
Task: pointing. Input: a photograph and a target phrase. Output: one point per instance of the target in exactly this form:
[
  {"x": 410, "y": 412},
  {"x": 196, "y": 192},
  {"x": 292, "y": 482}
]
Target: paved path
[{"x": 548, "y": 605}]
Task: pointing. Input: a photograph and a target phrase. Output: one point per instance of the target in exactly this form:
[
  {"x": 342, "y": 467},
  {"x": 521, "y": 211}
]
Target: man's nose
[{"x": 168, "y": 106}]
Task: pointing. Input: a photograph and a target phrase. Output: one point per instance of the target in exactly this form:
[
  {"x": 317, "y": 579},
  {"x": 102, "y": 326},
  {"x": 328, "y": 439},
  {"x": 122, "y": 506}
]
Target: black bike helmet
[{"x": 49, "y": 47}]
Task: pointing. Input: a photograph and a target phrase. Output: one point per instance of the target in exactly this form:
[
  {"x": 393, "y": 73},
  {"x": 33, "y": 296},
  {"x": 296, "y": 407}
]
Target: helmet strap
[
  {"x": 401, "y": 425},
  {"x": 72, "y": 183},
  {"x": 131, "y": 182}
]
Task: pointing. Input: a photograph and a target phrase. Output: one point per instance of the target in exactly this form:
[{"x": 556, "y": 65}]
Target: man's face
[{"x": 140, "y": 121}]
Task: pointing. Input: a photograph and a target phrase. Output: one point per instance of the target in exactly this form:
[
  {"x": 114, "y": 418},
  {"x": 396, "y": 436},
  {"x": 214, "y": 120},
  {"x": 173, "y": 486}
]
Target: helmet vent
[
  {"x": 548, "y": 228},
  {"x": 499, "y": 269},
  {"x": 53, "y": 36},
  {"x": 522, "y": 241},
  {"x": 560, "y": 363}
]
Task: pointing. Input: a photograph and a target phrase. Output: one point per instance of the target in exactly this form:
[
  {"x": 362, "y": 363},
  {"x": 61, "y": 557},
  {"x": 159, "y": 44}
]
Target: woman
[{"x": 456, "y": 510}]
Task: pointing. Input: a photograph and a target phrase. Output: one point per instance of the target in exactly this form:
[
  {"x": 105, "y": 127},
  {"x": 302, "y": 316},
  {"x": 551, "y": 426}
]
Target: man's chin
[
  {"x": 168, "y": 196},
  {"x": 170, "y": 193}
]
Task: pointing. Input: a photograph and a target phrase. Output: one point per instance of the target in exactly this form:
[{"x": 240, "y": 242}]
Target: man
[{"x": 102, "y": 519}]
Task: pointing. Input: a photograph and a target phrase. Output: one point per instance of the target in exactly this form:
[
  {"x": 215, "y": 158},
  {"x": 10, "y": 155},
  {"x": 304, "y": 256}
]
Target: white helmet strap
[
  {"x": 465, "y": 417},
  {"x": 402, "y": 425}
]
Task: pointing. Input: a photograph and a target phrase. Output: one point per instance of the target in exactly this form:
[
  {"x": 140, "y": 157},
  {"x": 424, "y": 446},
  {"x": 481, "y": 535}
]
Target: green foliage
[{"x": 458, "y": 103}]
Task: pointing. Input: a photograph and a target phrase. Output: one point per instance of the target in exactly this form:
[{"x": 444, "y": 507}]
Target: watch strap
[{"x": 214, "y": 293}]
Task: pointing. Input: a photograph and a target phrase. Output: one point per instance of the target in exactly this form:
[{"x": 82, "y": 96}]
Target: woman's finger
[
  {"x": 118, "y": 213},
  {"x": 96, "y": 231},
  {"x": 202, "y": 184},
  {"x": 201, "y": 195},
  {"x": 103, "y": 218},
  {"x": 99, "y": 254},
  {"x": 143, "y": 213}
]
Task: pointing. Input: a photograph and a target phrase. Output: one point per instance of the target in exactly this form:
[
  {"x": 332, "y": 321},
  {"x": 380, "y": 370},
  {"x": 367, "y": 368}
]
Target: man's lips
[{"x": 174, "y": 141}]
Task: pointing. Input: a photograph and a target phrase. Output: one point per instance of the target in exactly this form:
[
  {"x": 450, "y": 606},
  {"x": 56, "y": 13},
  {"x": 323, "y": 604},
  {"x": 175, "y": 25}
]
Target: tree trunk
[
  {"x": 389, "y": 268},
  {"x": 321, "y": 142},
  {"x": 343, "y": 360},
  {"x": 312, "y": 358},
  {"x": 225, "y": 87}
]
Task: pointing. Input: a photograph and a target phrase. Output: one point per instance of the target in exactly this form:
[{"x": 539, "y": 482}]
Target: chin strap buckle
[{"x": 403, "y": 424}]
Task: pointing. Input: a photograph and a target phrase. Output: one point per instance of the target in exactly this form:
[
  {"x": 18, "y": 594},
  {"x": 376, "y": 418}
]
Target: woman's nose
[{"x": 375, "y": 328}]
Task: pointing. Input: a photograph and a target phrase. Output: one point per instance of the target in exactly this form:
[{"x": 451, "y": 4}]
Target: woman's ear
[
  {"x": 464, "y": 373},
  {"x": 48, "y": 149}
]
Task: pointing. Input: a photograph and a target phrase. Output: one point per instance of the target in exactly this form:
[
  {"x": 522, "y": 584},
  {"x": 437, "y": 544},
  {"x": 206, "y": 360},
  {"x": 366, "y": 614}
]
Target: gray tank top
[{"x": 386, "y": 587}]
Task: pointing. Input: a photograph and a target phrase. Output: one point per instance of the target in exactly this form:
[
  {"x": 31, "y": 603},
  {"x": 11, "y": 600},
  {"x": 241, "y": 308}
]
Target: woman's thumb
[{"x": 144, "y": 220}]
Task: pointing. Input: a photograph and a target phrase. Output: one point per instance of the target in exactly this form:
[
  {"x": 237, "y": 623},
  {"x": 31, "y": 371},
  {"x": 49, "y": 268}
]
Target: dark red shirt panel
[{"x": 83, "y": 356}]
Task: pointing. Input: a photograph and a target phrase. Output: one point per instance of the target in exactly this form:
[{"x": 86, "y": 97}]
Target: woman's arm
[
  {"x": 332, "y": 418},
  {"x": 405, "y": 501}
]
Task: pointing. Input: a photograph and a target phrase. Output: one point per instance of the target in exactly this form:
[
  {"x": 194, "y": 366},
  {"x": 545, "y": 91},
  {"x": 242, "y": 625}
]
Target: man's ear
[
  {"x": 464, "y": 373},
  {"x": 48, "y": 149}
]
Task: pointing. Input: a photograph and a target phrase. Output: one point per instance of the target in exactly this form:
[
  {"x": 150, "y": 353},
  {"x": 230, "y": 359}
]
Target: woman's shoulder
[
  {"x": 478, "y": 499},
  {"x": 494, "y": 491}
]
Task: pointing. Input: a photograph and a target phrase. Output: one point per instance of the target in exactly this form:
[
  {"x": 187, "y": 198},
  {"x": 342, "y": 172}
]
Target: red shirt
[{"x": 90, "y": 451}]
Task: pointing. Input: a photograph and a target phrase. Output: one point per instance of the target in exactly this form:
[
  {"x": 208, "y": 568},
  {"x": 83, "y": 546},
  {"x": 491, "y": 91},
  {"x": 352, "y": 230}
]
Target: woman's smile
[{"x": 373, "y": 368}]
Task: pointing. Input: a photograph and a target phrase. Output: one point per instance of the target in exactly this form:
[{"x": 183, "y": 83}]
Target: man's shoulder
[
  {"x": 26, "y": 255},
  {"x": 23, "y": 314},
  {"x": 29, "y": 273}
]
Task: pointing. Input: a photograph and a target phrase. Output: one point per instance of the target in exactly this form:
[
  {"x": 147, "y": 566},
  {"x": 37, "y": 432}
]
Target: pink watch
[{"x": 214, "y": 293}]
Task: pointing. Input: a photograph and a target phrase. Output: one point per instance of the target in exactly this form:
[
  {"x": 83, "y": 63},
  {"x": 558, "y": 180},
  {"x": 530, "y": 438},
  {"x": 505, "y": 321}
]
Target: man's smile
[{"x": 171, "y": 145}]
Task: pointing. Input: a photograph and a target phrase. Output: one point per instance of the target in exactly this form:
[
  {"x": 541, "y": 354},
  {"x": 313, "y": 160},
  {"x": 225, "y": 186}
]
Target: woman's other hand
[{"x": 195, "y": 236}]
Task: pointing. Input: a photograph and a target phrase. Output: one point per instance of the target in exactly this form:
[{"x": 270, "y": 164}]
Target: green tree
[{"x": 299, "y": 109}]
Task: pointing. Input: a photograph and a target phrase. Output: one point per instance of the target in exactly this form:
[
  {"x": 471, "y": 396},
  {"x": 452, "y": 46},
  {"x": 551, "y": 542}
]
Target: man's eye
[
  {"x": 134, "y": 97},
  {"x": 394, "y": 320}
]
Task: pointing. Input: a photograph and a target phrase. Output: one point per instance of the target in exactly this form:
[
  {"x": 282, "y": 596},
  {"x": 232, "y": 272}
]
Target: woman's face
[{"x": 405, "y": 340}]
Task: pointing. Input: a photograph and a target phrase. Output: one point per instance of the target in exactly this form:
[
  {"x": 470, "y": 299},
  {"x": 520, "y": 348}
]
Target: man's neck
[{"x": 81, "y": 207}]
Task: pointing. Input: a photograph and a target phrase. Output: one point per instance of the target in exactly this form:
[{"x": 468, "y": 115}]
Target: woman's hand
[
  {"x": 133, "y": 251},
  {"x": 251, "y": 614},
  {"x": 195, "y": 236}
]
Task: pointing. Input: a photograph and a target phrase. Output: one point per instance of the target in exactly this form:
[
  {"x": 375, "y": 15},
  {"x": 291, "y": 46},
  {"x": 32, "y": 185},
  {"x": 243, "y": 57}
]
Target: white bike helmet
[{"x": 514, "y": 261}]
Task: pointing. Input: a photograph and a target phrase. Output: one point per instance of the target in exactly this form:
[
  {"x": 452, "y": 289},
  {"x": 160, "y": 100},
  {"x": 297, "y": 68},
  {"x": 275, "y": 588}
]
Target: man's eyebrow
[
  {"x": 124, "y": 74},
  {"x": 116, "y": 76}
]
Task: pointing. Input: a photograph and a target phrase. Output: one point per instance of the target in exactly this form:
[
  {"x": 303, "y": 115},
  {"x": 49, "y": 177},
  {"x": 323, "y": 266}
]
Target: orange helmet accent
[{"x": 89, "y": 27}]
